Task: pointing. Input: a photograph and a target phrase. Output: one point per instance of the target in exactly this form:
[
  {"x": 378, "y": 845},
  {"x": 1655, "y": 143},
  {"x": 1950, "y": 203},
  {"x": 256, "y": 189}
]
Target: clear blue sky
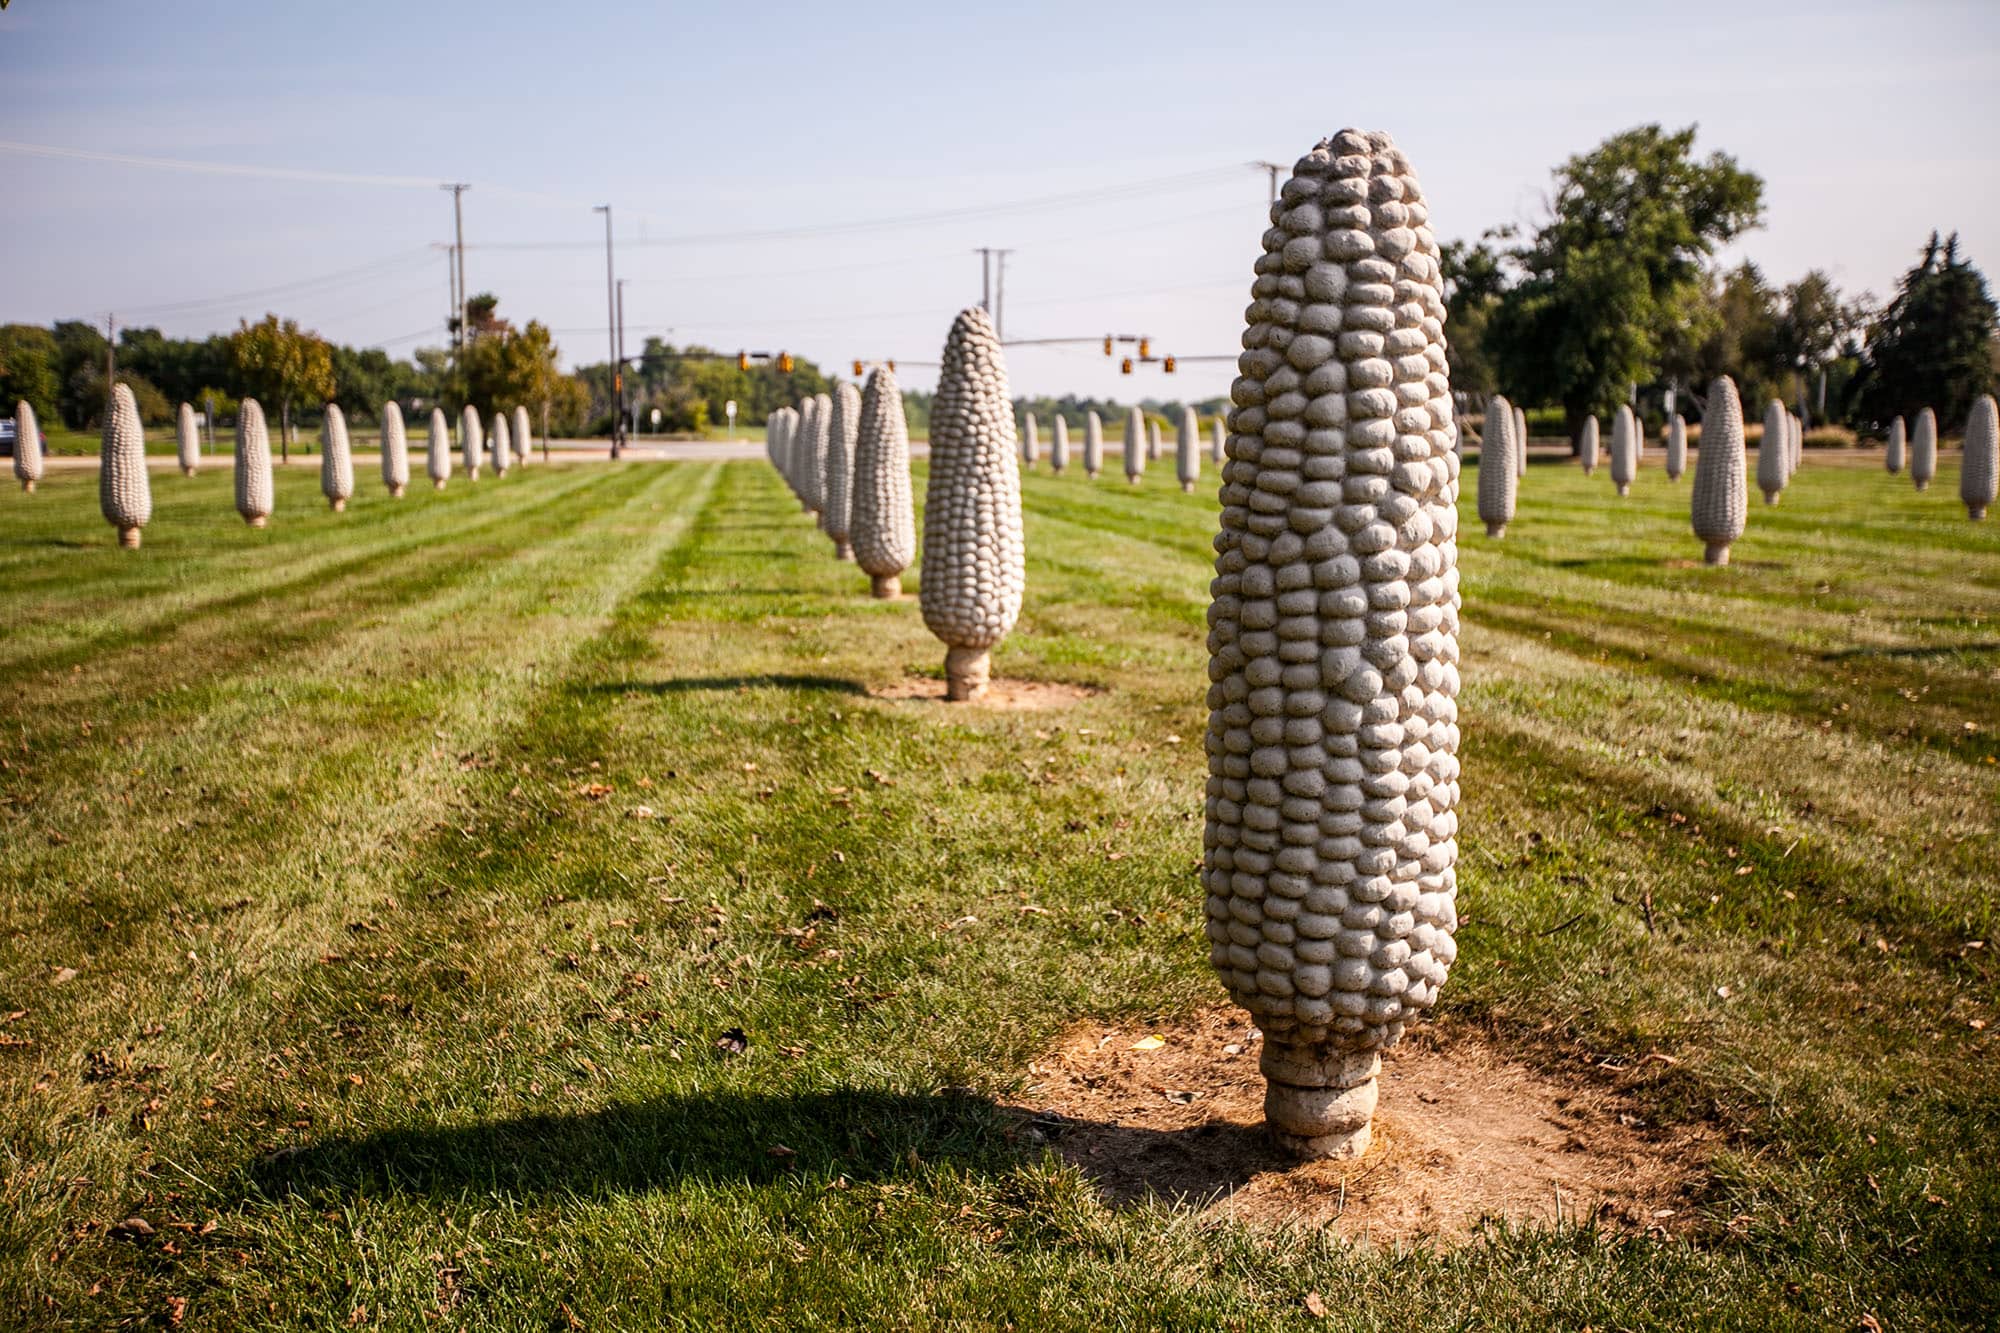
[{"x": 1872, "y": 123}]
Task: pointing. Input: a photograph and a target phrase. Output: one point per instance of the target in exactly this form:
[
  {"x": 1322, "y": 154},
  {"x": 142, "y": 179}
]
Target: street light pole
[
  {"x": 621, "y": 356},
  {"x": 611, "y": 332},
  {"x": 458, "y": 256}
]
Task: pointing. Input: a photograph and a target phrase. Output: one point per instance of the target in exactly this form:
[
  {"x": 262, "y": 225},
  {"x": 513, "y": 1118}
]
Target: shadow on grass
[
  {"x": 740, "y": 1138},
  {"x": 696, "y": 684}
]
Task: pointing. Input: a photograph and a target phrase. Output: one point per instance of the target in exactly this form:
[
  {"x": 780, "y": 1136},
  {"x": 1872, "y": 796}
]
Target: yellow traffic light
[
  {"x": 1169, "y": 366},
  {"x": 892, "y": 367},
  {"x": 1107, "y": 344},
  {"x": 857, "y": 368},
  {"x": 1125, "y": 366},
  {"x": 1145, "y": 348},
  {"x": 743, "y": 360},
  {"x": 785, "y": 362}
]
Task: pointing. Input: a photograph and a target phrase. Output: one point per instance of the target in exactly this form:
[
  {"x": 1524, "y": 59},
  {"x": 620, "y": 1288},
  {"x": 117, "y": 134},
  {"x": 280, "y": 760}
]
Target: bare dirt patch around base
[
  {"x": 1002, "y": 696},
  {"x": 1465, "y": 1132}
]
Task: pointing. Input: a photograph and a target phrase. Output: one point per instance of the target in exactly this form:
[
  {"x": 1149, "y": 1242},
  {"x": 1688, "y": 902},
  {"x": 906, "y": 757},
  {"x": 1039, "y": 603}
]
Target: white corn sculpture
[
  {"x": 778, "y": 430},
  {"x": 1498, "y": 482},
  {"x": 503, "y": 445},
  {"x": 1923, "y": 449},
  {"x": 1980, "y": 470},
  {"x": 124, "y": 490},
  {"x": 1135, "y": 445},
  {"x": 1624, "y": 449},
  {"x": 973, "y": 560},
  {"x": 1520, "y": 444},
  {"x": 1153, "y": 446},
  {"x": 1720, "y": 502},
  {"x": 1093, "y": 445},
  {"x": 255, "y": 493},
  {"x": 472, "y": 439},
  {"x": 1187, "y": 451},
  {"x": 1058, "y": 444},
  {"x": 336, "y": 459},
  {"x": 1892, "y": 455},
  {"x": 882, "y": 527},
  {"x": 843, "y": 426},
  {"x": 1586, "y": 444},
  {"x": 524, "y": 436},
  {"x": 1031, "y": 444},
  {"x": 1677, "y": 448},
  {"x": 1774, "y": 452},
  {"x": 1331, "y": 840},
  {"x": 814, "y": 430},
  {"x": 395, "y": 450},
  {"x": 438, "y": 461},
  {"x": 187, "y": 440},
  {"x": 27, "y": 446},
  {"x": 1218, "y": 438}
]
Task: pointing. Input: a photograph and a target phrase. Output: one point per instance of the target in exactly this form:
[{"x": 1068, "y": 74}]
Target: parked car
[{"x": 7, "y": 428}]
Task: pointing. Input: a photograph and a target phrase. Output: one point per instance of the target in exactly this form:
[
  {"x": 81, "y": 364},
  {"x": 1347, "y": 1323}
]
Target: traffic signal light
[
  {"x": 857, "y": 368},
  {"x": 743, "y": 360},
  {"x": 892, "y": 367},
  {"x": 785, "y": 362},
  {"x": 1125, "y": 366},
  {"x": 1107, "y": 344},
  {"x": 1169, "y": 366},
  {"x": 1145, "y": 348}
]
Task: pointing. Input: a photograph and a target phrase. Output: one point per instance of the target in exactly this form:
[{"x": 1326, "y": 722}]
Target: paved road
[{"x": 560, "y": 451}]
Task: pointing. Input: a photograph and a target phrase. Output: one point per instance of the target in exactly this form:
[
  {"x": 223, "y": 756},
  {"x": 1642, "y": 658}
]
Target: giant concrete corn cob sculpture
[
  {"x": 1154, "y": 448},
  {"x": 503, "y": 445},
  {"x": 1331, "y": 841},
  {"x": 524, "y": 437},
  {"x": 1923, "y": 449},
  {"x": 1135, "y": 445},
  {"x": 843, "y": 427},
  {"x": 1520, "y": 444},
  {"x": 1187, "y": 451},
  {"x": 1798, "y": 440},
  {"x": 811, "y": 454},
  {"x": 778, "y": 432},
  {"x": 187, "y": 440},
  {"x": 1624, "y": 449},
  {"x": 1892, "y": 454},
  {"x": 437, "y": 463},
  {"x": 1586, "y": 445},
  {"x": 255, "y": 493},
  {"x": 1677, "y": 448},
  {"x": 1058, "y": 444},
  {"x": 395, "y": 450},
  {"x": 472, "y": 440},
  {"x": 1774, "y": 452},
  {"x": 27, "y": 446},
  {"x": 1720, "y": 502},
  {"x": 1498, "y": 482},
  {"x": 336, "y": 459},
  {"x": 1031, "y": 443},
  {"x": 973, "y": 566},
  {"x": 1218, "y": 438},
  {"x": 124, "y": 490},
  {"x": 882, "y": 527},
  {"x": 1980, "y": 469},
  {"x": 1093, "y": 445}
]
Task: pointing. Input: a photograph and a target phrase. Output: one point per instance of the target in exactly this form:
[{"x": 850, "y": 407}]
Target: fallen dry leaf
[{"x": 1152, "y": 1043}]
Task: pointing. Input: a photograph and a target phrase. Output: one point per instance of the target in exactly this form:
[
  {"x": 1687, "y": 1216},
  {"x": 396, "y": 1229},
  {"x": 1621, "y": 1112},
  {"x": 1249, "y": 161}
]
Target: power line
[
  {"x": 214, "y": 168},
  {"x": 373, "y": 269}
]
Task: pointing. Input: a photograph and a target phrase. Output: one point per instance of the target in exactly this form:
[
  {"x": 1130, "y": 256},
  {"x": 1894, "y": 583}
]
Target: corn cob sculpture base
[
  {"x": 437, "y": 483},
  {"x": 259, "y": 520},
  {"x": 1187, "y": 488},
  {"x": 967, "y": 673},
  {"x": 1496, "y": 530},
  {"x": 843, "y": 551},
  {"x": 129, "y": 538},
  {"x": 396, "y": 492},
  {"x": 187, "y": 472},
  {"x": 1771, "y": 497},
  {"x": 339, "y": 506},
  {"x": 1715, "y": 553},
  {"x": 28, "y": 485},
  {"x": 1319, "y": 1103},
  {"x": 885, "y": 587}
]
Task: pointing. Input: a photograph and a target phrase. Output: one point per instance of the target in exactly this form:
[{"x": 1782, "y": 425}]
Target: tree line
[{"x": 1616, "y": 298}]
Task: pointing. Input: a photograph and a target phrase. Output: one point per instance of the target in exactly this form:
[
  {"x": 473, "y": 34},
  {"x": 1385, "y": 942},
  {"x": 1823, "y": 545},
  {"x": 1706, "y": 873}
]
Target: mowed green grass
[{"x": 331, "y": 946}]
